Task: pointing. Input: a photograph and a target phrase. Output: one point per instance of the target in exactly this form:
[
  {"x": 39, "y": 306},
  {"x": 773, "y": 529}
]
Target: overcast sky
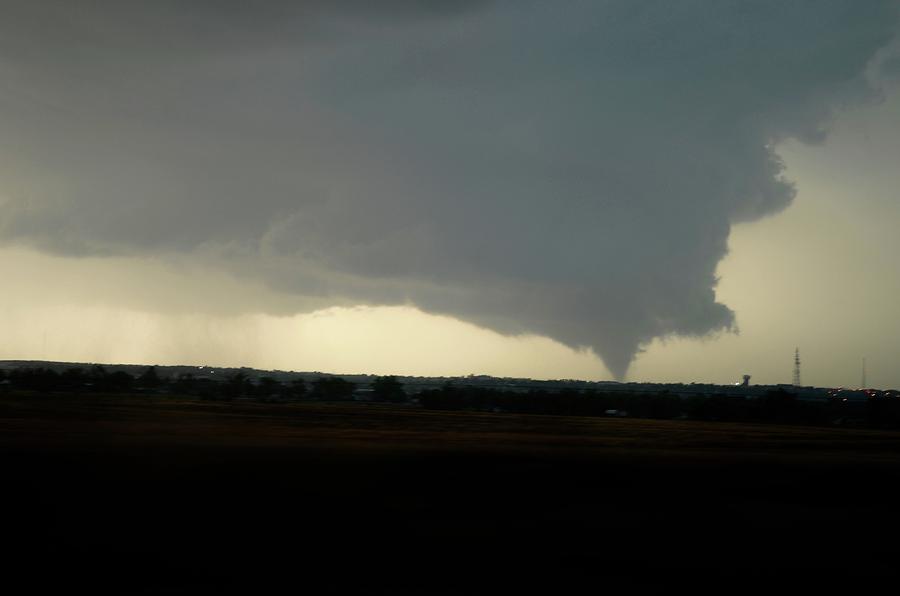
[{"x": 647, "y": 190}]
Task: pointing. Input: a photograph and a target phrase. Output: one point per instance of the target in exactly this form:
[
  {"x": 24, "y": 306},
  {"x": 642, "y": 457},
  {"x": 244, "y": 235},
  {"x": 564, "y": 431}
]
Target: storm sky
[{"x": 508, "y": 187}]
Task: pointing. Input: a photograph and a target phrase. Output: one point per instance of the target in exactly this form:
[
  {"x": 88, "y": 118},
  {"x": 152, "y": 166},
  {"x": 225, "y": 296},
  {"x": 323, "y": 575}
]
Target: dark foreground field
[{"x": 140, "y": 495}]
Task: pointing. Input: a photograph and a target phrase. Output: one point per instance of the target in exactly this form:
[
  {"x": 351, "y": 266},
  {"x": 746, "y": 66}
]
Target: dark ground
[{"x": 141, "y": 495}]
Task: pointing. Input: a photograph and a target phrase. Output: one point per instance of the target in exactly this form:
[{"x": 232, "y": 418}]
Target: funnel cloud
[{"x": 565, "y": 169}]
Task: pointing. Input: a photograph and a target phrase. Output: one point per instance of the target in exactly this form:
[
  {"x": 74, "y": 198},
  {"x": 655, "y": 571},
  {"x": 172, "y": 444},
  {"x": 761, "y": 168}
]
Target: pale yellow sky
[
  {"x": 85, "y": 310},
  {"x": 822, "y": 276}
]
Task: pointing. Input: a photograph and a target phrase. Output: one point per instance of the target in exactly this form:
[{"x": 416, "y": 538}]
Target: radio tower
[
  {"x": 863, "y": 386},
  {"x": 797, "y": 367}
]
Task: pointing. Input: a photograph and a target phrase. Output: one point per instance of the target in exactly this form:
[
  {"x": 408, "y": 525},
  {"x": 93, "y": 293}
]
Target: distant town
[{"x": 742, "y": 401}]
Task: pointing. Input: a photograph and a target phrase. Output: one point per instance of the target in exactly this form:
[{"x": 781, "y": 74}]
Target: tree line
[
  {"x": 777, "y": 406},
  {"x": 97, "y": 379}
]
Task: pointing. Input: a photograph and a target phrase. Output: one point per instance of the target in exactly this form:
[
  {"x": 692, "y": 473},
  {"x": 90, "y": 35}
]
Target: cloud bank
[{"x": 570, "y": 170}]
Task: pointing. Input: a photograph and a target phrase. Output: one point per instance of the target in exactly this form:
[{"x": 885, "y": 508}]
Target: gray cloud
[
  {"x": 571, "y": 170},
  {"x": 891, "y": 67}
]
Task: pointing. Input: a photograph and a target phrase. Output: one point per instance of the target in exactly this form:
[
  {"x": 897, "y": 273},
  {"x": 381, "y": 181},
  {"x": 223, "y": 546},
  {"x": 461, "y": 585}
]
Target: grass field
[{"x": 163, "y": 495}]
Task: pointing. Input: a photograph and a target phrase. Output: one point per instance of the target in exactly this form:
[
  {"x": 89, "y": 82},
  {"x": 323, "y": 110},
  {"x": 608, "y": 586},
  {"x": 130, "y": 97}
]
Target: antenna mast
[
  {"x": 863, "y": 386},
  {"x": 797, "y": 367}
]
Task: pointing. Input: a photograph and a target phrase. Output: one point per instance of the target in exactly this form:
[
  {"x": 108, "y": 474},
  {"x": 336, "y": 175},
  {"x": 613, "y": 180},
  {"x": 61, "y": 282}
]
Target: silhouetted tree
[
  {"x": 149, "y": 379},
  {"x": 267, "y": 387},
  {"x": 332, "y": 388},
  {"x": 186, "y": 383},
  {"x": 118, "y": 381},
  {"x": 388, "y": 389},
  {"x": 297, "y": 389},
  {"x": 236, "y": 385}
]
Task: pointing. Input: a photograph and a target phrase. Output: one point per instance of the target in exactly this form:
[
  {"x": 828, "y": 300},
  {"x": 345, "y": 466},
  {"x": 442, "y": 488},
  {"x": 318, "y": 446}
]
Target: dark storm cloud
[
  {"x": 570, "y": 169},
  {"x": 891, "y": 67}
]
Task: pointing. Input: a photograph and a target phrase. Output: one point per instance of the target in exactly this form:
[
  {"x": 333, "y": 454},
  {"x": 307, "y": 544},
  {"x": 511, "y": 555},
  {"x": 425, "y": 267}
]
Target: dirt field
[{"x": 141, "y": 495}]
